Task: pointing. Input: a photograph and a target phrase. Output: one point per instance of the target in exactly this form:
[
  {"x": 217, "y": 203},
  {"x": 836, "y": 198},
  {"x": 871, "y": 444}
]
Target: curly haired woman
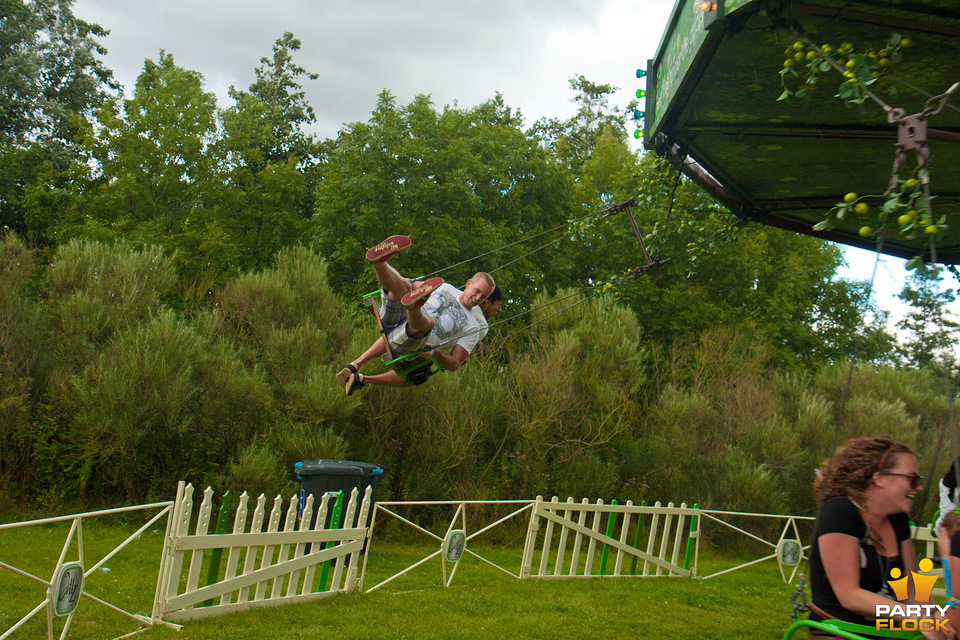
[{"x": 863, "y": 530}]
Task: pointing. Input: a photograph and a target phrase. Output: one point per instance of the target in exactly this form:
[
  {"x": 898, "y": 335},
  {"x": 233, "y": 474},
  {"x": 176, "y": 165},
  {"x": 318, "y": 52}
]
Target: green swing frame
[
  {"x": 396, "y": 362},
  {"x": 848, "y": 630}
]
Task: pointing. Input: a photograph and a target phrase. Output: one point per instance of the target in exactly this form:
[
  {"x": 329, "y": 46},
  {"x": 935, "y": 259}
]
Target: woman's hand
[
  {"x": 943, "y": 543},
  {"x": 946, "y": 634}
]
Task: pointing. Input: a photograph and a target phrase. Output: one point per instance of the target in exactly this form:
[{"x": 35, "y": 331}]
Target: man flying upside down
[{"x": 418, "y": 317}]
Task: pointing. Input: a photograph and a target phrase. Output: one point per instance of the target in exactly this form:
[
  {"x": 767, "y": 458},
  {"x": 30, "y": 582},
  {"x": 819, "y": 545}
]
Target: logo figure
[
  {"x": 922, "y": 584},
  {"x": 915, "y": 617}
]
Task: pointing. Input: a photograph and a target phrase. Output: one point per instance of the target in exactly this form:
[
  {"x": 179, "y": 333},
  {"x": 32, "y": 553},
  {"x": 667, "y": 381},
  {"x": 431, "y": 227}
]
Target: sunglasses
[{"x": 916, "y": 480}]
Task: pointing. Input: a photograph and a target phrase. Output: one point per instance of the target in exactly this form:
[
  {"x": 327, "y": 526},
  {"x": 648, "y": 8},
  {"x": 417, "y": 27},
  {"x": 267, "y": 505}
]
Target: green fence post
[
  {"x": 334, "y": 524},
  {"x": 693, "y": 531},
  {"x": 636, "y": 539},
  {"x": 223, "y": 520},
  {"x": 611, "y": 519}
]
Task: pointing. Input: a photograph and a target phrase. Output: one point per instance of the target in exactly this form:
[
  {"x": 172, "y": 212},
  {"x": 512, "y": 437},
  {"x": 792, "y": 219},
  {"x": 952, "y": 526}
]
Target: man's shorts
[{"x": 393, "y": 316}]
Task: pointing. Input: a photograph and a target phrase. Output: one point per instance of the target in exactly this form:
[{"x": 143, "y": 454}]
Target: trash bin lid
[{"x": 319, "y": 466}]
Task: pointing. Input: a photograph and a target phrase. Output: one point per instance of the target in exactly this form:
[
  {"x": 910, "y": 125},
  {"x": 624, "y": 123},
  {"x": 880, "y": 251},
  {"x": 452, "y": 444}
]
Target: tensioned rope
[
  {"x": 633, "y": 273},
  {"x": 948, "y": 389},
  {"x": 926, "y": 94},
  {"x": 599, "y": 215},
  {"x": 841, "y": 415},
  {"x": 893, "y": 117}
]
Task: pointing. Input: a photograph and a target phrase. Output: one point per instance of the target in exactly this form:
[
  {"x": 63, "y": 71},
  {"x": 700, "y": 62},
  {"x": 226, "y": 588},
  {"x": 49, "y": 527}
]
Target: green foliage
[
  {"x": 51, "y": 80},
  {"x": 859, "y": 69},
  {"x": 288, "y": 322},
  {"x": 23, "y": 358},
  {"x": 578, "y": 139},
  {"x": 714, "y": 432},
  {"x": 156, "y": 180},
  {"x": 163, "y": 398},
  {"x": 460, "y": 182},
  {"x": 95, "y": 289},
  {"x": 931, "y": 331},
  {"x": 256, "y": 469},
  {"x": 270, "y": 162},
  {"x": 582, "y": 404},
  {"x": 179, "y": 328}
]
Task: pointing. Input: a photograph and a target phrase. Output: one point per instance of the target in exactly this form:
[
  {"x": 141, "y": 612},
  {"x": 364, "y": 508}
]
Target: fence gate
[
  {"x": 301, "y": 562},
  {"x": 592, "y": 531},
  {"x": 73, "y": 575}
]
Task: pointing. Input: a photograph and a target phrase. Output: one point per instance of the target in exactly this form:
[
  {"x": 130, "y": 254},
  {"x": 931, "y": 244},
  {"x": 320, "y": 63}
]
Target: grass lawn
[{"x": 482, "y": 602}]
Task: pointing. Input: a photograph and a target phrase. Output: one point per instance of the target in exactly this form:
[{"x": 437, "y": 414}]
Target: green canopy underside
[{"x": 712, "y": 98}]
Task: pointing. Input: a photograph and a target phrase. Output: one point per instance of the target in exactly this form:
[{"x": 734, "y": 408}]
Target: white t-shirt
[
  {"x": 481, "y": 320},
  {"x": 454, "y": 322}
]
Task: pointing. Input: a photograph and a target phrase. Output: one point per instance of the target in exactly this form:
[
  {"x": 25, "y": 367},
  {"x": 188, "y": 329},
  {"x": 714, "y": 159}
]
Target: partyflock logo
[{"x": 918, "y": 615}]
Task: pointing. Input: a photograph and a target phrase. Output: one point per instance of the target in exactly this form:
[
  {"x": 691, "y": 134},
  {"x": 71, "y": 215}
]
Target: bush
[
  {"x": 95, "y": 289},
  {"x": 23, "y": 365},
  {"x": 163, "y": 403}
]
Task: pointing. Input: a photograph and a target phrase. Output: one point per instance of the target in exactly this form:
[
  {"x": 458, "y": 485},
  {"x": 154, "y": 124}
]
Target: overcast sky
[
  {"x": 462, "y": 51},
  {"x": 457, "y": 51}
]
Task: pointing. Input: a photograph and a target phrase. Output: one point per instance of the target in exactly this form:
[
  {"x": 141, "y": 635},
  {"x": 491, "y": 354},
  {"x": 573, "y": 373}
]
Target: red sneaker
[
  {"x": 421, "y": 291},
  {"x": 388, "y": 248}
]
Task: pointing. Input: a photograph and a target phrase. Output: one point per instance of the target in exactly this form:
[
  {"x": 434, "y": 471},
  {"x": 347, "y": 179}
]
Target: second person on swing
[{"x": 415, "y": 315}]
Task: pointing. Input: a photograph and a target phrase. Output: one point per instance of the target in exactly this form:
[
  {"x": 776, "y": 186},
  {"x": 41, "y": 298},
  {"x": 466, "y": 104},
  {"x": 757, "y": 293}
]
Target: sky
[{"x": 459, "y": 52}]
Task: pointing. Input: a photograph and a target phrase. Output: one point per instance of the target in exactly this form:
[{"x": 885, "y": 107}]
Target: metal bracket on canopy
[
  {"x": 636, "y": 232},
  {"x": 913, "y": 135}
]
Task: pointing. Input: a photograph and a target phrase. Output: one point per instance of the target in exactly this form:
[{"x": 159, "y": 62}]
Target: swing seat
[
  {"x": 848, "y": 630},
  {"x": 413, "y": 372}
]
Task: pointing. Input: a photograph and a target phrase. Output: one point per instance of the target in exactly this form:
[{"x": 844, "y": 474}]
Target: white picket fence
[
  {"x": 592, "y": 529},
  {"x": 263, "y": 567},
  {"x": 253, "y": 557},
  {"x": 604, "y": 540}
]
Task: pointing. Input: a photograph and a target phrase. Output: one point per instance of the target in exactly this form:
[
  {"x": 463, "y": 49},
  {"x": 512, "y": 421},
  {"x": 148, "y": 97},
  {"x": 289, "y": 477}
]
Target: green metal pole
[
  {"x": 636, "y": 540},
  {"x": 611, "y": 519},
  {"x": 693, "y": 530},
  {"x": 223, "y": 520},
  {"x": 334, "y": 524}
]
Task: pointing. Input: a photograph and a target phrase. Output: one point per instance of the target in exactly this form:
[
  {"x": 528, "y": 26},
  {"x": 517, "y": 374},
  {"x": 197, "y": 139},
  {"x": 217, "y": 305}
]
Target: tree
[
  {"x": 461, "y": 182},
  {"x": 50, "y": 81},
  {"x": 575, "y": 139},
  {"x": 155, "y": 178},
  {"x": 271, "y": 163},
  {"x": 285, "y": 107},
  {"x": 931, "y": 331}
]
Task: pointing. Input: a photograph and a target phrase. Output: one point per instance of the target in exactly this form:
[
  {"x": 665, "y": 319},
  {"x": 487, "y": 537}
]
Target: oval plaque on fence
[
  {"x": 454, "y": 545},
  {"x": 789, "y": 552},
  {"x": 69, "y": 584}
]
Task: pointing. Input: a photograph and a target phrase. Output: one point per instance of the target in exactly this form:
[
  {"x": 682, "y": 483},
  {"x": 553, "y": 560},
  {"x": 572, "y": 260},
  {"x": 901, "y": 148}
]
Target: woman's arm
[{"x": 840, "y": 554}]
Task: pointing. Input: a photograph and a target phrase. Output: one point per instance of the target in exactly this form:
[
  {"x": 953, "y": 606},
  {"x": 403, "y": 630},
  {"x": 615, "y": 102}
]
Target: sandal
[
  {"x": 354, "y": 382},
  {"x": 388, "y": 248},
  {"x": 419, "y": 294},
  {"x": 344, "y": 374}
]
